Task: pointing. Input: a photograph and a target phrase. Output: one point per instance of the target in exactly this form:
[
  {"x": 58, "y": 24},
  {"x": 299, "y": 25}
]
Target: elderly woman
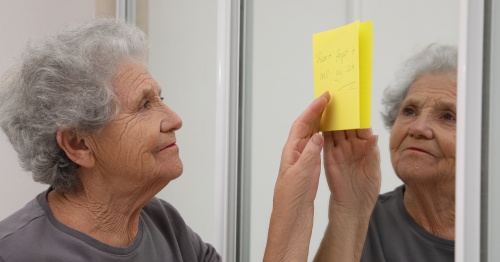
[
  {"x": 87, "y": 118},
  {"x": 416, "y": 221}
]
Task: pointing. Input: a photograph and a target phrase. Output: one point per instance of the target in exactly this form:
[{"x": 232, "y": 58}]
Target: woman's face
[
  {"x": 138, "y": 148},
  {"x": 422, "y": 142}
]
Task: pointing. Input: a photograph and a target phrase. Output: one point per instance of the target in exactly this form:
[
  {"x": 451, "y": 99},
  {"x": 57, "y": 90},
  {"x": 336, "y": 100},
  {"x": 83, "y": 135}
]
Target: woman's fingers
[
  {"x": 372, "y": 162},
  {"x": 328, "y": 144},
  {"x": 364, "y": 133},
  {"x": 303, "y": 128},
  {"x": 308, "y": 167},
  {"x": 311, "y": 154},
  {"x": 351, "y": 134},
  {"x": 338, "y": 137},
  {"x": 309, "y": 119}
]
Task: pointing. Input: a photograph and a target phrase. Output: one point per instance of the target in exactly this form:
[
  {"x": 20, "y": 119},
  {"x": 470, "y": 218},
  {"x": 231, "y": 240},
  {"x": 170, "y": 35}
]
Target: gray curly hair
[
  {"x": 64, "y": 81},
  {"x": 432, "y": 59}
]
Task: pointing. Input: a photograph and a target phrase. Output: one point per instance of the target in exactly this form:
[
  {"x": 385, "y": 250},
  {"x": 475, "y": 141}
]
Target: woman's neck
[
  {"x": 109, "y": 214},
  {"x": 432, "y": 207}
]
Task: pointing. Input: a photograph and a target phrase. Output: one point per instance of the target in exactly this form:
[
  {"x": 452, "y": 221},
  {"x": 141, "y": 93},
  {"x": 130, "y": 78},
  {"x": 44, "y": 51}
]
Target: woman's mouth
[
  {"x": 168, "y": 146},
  {"x": 419, "y": 150}
]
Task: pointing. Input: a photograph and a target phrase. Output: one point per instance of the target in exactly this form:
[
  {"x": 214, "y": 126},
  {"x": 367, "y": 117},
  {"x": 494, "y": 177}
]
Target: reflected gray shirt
[
  {"x": 33, "y": 234},
  {"x": 393, "y": 235}
]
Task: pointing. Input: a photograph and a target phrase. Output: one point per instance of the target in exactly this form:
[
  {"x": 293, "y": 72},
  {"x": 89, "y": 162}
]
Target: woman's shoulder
[
  {"x": 28, "y": 216},
  {"x": 161, "y": 212},
  {"x": 160, "y": 206},
  {"x": 391, "y": 195},
  {"x": 168, "y": 221},
  {"x": 20, "y": 232}
]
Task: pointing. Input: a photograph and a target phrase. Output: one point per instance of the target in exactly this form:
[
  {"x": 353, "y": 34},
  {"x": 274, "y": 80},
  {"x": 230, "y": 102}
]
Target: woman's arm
[{"x": 293, "y": 206}]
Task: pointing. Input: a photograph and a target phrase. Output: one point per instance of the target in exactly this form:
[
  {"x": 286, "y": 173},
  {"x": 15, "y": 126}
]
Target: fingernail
[
  {"x": 316, "y": 140},
  {"x": 327, "y": 94}
]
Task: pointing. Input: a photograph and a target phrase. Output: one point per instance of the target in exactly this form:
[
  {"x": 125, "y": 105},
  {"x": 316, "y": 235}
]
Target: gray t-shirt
[
  {"x": 393, "y": 235},
  {"x": 33, "y": 234}
]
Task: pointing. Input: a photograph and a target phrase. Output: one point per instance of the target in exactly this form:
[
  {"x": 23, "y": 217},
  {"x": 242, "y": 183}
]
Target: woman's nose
[
  {"x": 171, "y": 121},
  {"x": 420, "y": 128}
]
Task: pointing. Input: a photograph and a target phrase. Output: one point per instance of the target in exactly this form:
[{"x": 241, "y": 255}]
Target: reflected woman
[{"x": 416, "y": 221}]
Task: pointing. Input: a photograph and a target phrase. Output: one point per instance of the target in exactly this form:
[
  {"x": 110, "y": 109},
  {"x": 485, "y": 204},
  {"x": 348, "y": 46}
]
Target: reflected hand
[{"x": 352, "y": 167}]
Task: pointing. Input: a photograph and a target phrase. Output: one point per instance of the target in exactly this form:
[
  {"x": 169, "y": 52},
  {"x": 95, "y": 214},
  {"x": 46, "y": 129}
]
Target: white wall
[
  {"x": 282, "y": 81},
  {"x": 19, "y": 21}
]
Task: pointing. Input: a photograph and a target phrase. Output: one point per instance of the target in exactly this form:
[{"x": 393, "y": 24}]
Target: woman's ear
[{"x": 75, "y": 147}]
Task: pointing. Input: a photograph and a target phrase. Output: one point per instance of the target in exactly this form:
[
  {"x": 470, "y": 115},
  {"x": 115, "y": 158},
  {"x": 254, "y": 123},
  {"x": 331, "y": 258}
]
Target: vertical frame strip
[
  {"x": 125, "y": 10},
  {"x": 491, "y": 230},
  {"x": 469, "y": 107},
  {"x": 353, "y": 11},
  {"x": 227, "y": 136}
]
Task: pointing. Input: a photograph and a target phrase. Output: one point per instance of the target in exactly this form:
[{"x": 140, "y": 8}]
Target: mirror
[
  {"x": 279, "y": 74},
  {"x": 490, "y": 231}
]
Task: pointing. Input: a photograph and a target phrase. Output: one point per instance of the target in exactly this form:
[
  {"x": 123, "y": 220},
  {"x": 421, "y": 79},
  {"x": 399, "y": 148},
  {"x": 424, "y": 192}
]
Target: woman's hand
[{"x": 293, "y": 207}]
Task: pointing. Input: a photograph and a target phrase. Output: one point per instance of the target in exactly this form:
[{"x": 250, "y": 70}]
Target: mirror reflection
[{"x": 279, "y": 74}]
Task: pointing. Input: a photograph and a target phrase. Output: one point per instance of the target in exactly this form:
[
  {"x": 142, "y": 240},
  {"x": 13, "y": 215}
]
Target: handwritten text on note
[{"x": 342, "y": 65}]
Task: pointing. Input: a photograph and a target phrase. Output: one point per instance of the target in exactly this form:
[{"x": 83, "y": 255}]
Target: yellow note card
[{"x": 342, "y": 62}]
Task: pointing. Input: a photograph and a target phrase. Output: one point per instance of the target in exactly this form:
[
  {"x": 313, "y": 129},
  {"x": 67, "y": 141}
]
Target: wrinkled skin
[
  {"x": 125, "y": 165},
  {"x": 138, "y": 148},
  {"x": 422, "y": 146}
]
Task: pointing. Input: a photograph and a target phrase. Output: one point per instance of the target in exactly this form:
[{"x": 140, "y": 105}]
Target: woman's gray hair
[
  {"x": 63, "y": 81},
  {"x": 434, "y": 58}
]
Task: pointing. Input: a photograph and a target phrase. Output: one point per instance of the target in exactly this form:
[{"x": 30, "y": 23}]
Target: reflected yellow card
[{"x": 342, "y": 62}]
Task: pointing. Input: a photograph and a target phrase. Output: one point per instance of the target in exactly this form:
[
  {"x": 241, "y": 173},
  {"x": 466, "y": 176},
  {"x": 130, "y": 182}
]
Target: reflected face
[
  {"x": 138, "y": 148},
  {"x": 423, "y": 137}
]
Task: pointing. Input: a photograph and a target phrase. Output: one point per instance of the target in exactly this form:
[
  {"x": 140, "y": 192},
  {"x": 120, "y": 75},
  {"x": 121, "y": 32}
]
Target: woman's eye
[
  {"x": 448, "y": 116},
  {"x": 408, "y": 112},
  {"x": 146, "y": 105}
]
